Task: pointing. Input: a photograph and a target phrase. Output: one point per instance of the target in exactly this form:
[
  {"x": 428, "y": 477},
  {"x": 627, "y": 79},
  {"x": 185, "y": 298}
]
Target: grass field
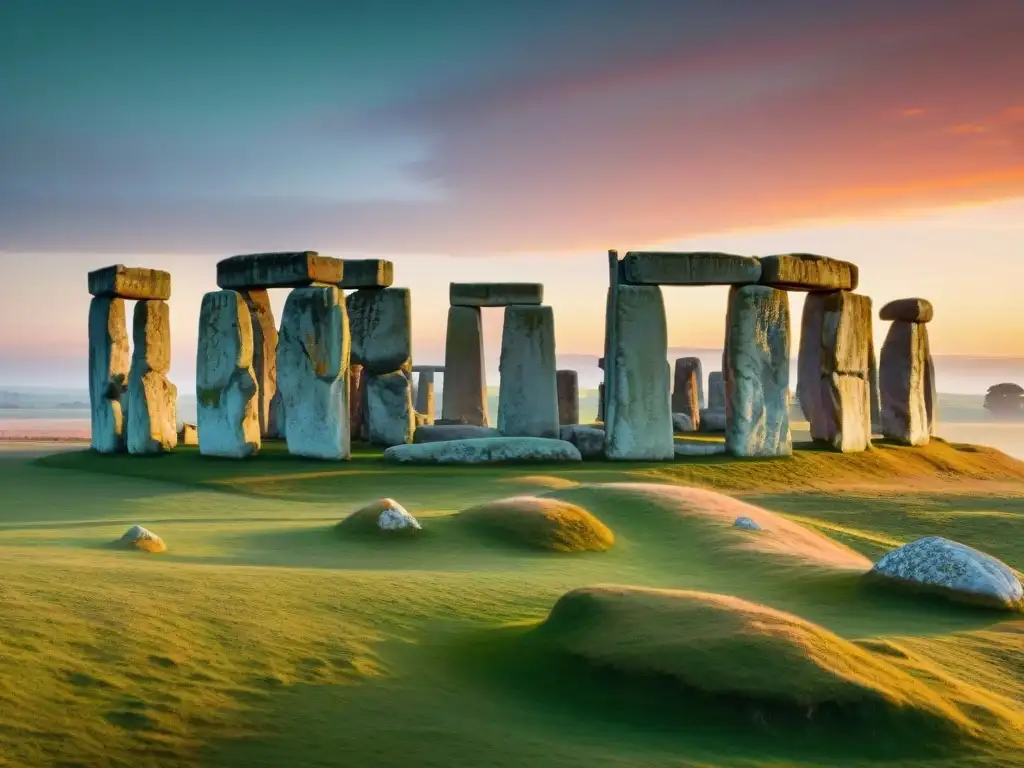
[{"x": 265, "y": 636}]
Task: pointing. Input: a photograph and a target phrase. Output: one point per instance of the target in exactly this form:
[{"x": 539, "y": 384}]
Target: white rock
[
  {"x": 484, "y": 450},
  {"x": 138, "y": 537},
  {"x": 746, "y": 523},
  {"x": 109, "y": 363},
  {"x": 396, "y": 518},
  {"x": 956, "y": 570},
  {"x": 528, "y": 393},
  {"x": 152, "y": 398}
]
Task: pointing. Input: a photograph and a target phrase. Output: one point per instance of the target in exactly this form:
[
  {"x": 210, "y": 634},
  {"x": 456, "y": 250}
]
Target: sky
[{"x": 515, "y": 141}]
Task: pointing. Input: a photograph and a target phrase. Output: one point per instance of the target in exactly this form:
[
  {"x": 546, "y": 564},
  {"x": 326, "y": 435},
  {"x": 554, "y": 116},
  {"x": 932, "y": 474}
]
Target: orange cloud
[
  {"x": 966, "y": 129},
  {"x": 913, "y": 112}
]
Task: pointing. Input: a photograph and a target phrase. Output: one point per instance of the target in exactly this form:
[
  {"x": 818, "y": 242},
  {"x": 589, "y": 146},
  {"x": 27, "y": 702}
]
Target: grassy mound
[
  {"x": 730, "y": 649},
  {"x": 366, "y": 522},
  {"x": 698, "y": 523},
  {"x": 539, "y": 523}
]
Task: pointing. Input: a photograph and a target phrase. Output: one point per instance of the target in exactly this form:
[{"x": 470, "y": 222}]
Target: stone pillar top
[
  {"x": 279, "y": 270},
  {"x": 494, "y": 294},
  {"x": 808, "y": 272},
  {"x": 367, "y": 273},
  {"x": 121, "y": 282},
  {"x": 696, "y": 268},
  {"x": 908, "y": 310}
]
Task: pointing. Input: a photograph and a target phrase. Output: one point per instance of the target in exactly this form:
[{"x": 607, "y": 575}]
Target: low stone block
[
  {"x": 381, "y": 325},
  {"x": 568, "y": 397},
  {"x": 494, "y": 294},
  {"x": 368, "y": 273},
  {"x": 390, "y": 417},
  {"x": 589, "y": 440},
  {"x": 663, "y": 268},
  {"x": 437, "y": 433},
  {"x": 279, "y": 270},
  {"x": 908, "y": 310},
  {"x": 109, "y": 366},
  {"x": 486, "y": 450},
  {"x": 808, "y": 272},
  {"x": 152, "y": 398},
  {"x": 138, "y": 283}
]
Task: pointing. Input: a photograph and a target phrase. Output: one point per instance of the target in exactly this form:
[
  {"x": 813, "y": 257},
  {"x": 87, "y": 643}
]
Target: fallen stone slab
[
  {"x": 589, "y": 440},
  {"x": 494, "y": 294},
  {"x": 486, "y": 450},
  {"x": 953, "y": 570},
  {"x": 121, "y": 282},
  {"x": 699, "y": 448},
  {"x": 908, "y": 310},
  {"x": 380, "y": 322},
  {"x": 666, "y": 268},
  {"x": 808, "y": 272},
  {"x": 367, "y": 273},
  {"x": 279, "y": 270},
  {"x": 439, "y": 433}
]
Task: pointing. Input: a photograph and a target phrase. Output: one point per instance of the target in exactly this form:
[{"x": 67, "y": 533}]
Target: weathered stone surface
[
  {"x": 394, "y": 517},
  {"x": 464, "y": 397},
  {"x": 119, "y": 281},
  {"x": 809, "y": 386},
  {"x": 381, "y": 324},
  {"x": 712, "y": 420},
  {"x": 873, "y": 391},
  {"x": 527, "y": 391},
  {"x": 686, "y": 393},
  {"x": 495, "y": 294},
  {"x": 277, "y": 419},
  {"x": 908, "y": 310},
  {"x": 682, "y": 423},
  {"x": 746, "y": 523},
  {"x": 390, "y": 418},
  {"x": 600, "y": 402},
  {"x": 109, "y": 363},
  {"x": 226, "y": 389},
  {"x": 357, "y": 377},
  {"x": 436, "y": 433},
  {"x": 662, "y": 268},
  {"x": 141, "y": 538},
  {"x": 487, "y": 450},
  {"x": 264, "y": 356},
  {"x": 313, "y": 371},
  {"x": 589, "y": 440},
  {"x": 954, "y": 570},
  {"x": 808, "y": 272},
  {"x": 931, "y": 394},
  {"x": 367, "y": 273},
  {"x": 698, "y": 448},
  {"x": 296, "y": 269},
  {"x": 716, "y": 391},
  {"x": 757, "y": 382},
  {"x": 568, "y": 385},
  {"x": 638, "y": 413},
  {"x": 425, "y": 396},
  {"x": 152, "y": 398},
  {"x": 902, "y": 382},
  {"x": 188, "y": 435}
]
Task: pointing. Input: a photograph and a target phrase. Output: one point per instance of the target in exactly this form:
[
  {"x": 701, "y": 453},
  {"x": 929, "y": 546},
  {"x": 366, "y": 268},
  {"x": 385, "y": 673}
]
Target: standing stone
[
  {"x": 277, "y": 420},
  {"x": 152, "y": 399},
  {"x": 845, "y": 375},
  {"x": 109, "y": 361},
  {"x": 687, "y": 390},
  {"x": 264, "y": 355},
  {"x": 464, "y": 397},
  {"x": 638, "y": 413},
  {"x": 931, "y": 396},
  {"x": 600, "y": 402},
  {"x": 873, "y": 392},
  {"x": 568, "y": 397},
  {"x": 357, "y": 378},
  {"x": 389, "y": 413},
  {"x": 527, "y": 393},
  {"x": 903, "y": 383},
  {"x": 226, "y": 386},
  {"x": 381, "y": 324},
  {"x": 809, "y": 387},
  {"x": 757, "y": 373},
  {"x": 425, "y": 396},
  {"x": 716, "y": 391},
  {"x": 312, "y": 372}
]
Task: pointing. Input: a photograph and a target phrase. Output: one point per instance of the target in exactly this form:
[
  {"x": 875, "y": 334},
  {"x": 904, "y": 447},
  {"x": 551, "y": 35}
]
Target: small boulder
[
  {"x": 138, "y": 537},
  {"x": 382, "y": 517},
  {"x": 954, "y": 570},
  {"x": 395, "y": 517},
  {"x": 589, "y": 440},
  {"x": 746, "y": 523}
]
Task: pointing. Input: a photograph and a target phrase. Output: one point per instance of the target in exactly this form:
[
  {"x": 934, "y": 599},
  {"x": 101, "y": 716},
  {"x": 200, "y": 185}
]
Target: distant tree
[{"x": 1005, "y": 400}]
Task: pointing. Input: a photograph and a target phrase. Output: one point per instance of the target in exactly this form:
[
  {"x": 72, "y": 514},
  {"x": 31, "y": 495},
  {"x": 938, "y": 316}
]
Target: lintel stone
[
  {"x": 367, "y": 273},
  {"x": 696, "y": 268},
  {"x": 279, "y": 270},
  {"x": 908, "y": 310},
  {"x": 495, "y": 294},
  {"x": 808, "y": 272},
  {"x": 121, "y": 282}
]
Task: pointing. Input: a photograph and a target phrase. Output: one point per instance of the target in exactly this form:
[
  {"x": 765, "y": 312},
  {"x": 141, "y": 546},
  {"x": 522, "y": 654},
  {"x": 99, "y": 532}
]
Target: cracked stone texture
[
  {"x": 568, "y": 384},
  {"x": 908, "y": 310},
  {"x": 686, "y": 391},
  {"x": 954, "y": 570},
  {"x": 390, "y": 418},
  {"x": 486, "y": 450},
  {"x": 152, "y": 398},
  {"x": 313, "y": 373},
  {"x": 808, "y": 272},
  {"x": 296, "y": 269},
  {"x": 664, "y": 268},
  {"x": 138, "y": 283},
  {"x": 903, "y": 384},
  {"x": 757, "y": 372},
  {"x": 528, "y": 390},
  {"x": 589, "y": 440},
  {"x": 464, "y": 397},
  {"x": 227, "y": 393},
  {"x": 381, "y": 325},
  {"x": 638, "y": 415},
  {"x": 264, "y": 357},
  {"x": 109, "y": 365}
]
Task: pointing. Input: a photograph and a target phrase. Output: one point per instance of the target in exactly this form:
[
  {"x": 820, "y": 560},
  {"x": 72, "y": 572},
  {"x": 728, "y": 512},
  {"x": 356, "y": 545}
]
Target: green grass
[
  {"x": 538, "y": 523},
  {"x": 265, "y": 637}
]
